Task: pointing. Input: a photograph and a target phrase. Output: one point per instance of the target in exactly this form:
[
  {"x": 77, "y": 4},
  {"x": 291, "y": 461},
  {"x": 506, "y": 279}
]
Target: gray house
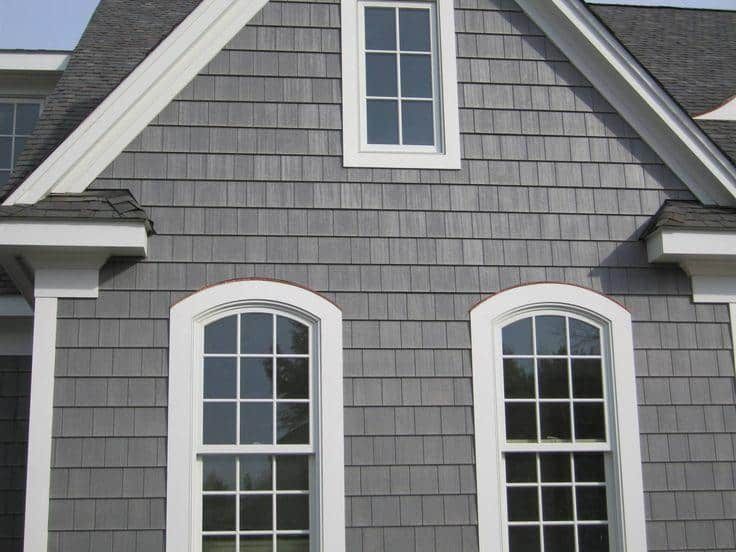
[{"x": 374, "y": 276}]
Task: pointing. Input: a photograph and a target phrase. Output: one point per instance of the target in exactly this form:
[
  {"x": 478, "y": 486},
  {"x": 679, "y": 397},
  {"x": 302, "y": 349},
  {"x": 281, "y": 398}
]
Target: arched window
[
  {"x": 255, "y": 449},
  {"x": 557, "y": 439}
]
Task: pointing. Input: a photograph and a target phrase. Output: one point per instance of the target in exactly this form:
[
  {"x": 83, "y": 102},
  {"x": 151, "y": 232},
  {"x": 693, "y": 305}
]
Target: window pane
[
  {"x": 560, "y": 538},
  {"x": 414, "y": 30},
  {"x": 293, "y": 423},
  {"x": 218, "y": 544},
  {"x": 292, "y": 473},
  {"x": 383, "y": 122},
  {"x": 6, "y": 152},
  {"x": 380, "y": 29},
  {"x": 417, "y": 120},
  {"x": 555, "y": 468},
  {"x": 292, "y": 512},
  {"x": 293, "y": 378},
  {"x": 521, "y": 422},
  {"x": 590, "y": 421},
  {"x": 589, "y": 468},
  {"x": 592, "y": 503},
  {"x": 380, "y": 75},
  {"x": 256, "y": 378},
  {"x": 256, "y": 512},
  {"x": 219, "y": 336},
  {"x": 555, "y": 421},
  {"x": 292, "y": 337},
  {"x": 517, "y": 338},
  {"x": 584, "y": 338},
  {"x": 521, "y": 468},
  {"x": 256, "y": 543},
  {"x": 220, "y": 378},
  {"x": 557, "y": 503},
  {"x": 4, "y": 177},
  {"x": 218, "y": 473},
  {"x": 257, "y": 338},
  {"x": 219, "y": 423},
  {"x": 6, "y": 118},
  {"x": 593, "y": 538},
  {"x": 551, "y": 335},
  {"x": 218, "y": 513},
  {"x": 294, "y": 543},
  {"x": 587, "y": 378},
  {"x": 518, "y": 378},
  {"x": 20, "y": 145},
  {"x": 553, "y": 378},
  {"x": 524, "y": 539},
  {"x": 256, "y": 473},
  {"x": 256, "y": 423},
  {"x": 26, "y": 115},
  {"x": 523, "y": 503},
  {"x": 416, "y": 76}
]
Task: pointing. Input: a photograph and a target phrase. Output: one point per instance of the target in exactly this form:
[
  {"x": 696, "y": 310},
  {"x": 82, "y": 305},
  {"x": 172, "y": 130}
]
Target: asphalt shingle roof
[
  {"x": 690, "y": 52},
  {"x": 692, "y": 215},
  {"x": 120, "y": 34}
]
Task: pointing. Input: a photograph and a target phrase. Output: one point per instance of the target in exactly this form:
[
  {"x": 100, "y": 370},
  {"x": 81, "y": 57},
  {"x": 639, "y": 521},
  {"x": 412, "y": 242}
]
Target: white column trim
[{"x": 38, "y": 479}]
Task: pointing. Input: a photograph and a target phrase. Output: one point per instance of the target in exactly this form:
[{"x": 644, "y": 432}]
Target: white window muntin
[
  {"x": 627, "y": 516},
  {"x": 606, "y": 447},
  {"x": 436, "y": 97}
]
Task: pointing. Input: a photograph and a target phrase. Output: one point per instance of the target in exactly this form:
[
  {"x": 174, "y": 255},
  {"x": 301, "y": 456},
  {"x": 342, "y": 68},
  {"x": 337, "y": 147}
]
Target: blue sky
[{"x": 57, "y": 24}]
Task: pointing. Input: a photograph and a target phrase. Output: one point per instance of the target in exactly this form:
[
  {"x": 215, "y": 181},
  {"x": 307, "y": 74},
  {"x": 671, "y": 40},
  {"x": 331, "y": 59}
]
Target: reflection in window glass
[
  {"x": 17, "y": 120},
  {"x": 554, "y": 396}
]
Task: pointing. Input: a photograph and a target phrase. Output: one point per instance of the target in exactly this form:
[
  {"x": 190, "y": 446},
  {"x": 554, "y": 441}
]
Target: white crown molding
[
  {"x": 33, "y": 61},
  {"x": 108, "y": 130},
  {"x": 629, "y": 88}
]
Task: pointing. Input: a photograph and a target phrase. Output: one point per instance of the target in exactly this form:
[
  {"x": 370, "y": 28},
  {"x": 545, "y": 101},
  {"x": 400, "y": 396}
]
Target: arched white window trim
[
  {"x": 486, "y": 318},
  {"x": 188, "y": 318}
]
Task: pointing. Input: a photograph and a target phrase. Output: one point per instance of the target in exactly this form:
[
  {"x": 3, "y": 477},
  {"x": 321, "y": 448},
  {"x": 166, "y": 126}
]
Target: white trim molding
[
  {"x": 724, "y": 112},
  {"x": 33, "y": 61},
  {"x": 447, "y": 154},
  {"x": 187, "y": 322},
  {"x": 642, "y": 102},
  {"x": 487, "y": 318},
  {"x": 82, "y": 156}
]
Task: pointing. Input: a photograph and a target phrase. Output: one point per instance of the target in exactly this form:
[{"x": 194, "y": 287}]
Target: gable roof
[
  {"x": 691, "y": 215},
  {"x": 120, "y": 34},
  {"x": 689, "y": 51}
]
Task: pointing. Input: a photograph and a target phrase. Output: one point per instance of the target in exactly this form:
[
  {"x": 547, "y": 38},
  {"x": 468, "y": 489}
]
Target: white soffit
[
  {"x": 103, "y": 135},
  {"x": 724, "y": 112},
  {"x": 627, "y": 86},
  {"x": 33, "y": 61}
]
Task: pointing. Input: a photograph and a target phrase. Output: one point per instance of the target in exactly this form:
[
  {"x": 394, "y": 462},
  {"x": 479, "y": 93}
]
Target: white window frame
[
  {"x": 625, "y": 479},
  {"x": 356, "y": 153},
  {"x": 188, "y": 319}
]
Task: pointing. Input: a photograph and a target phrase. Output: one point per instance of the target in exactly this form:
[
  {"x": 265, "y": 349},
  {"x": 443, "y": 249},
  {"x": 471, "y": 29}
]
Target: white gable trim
[
  {"x": 637, "y": 97},
  {"x": 137, "y": 100},
  {"x": 724, "y": 112}
]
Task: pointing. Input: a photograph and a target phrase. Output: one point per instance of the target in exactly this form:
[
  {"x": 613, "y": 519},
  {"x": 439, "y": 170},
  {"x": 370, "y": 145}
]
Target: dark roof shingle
[
  {"x": 692, "y": 215},
  {"x": 120, "y": 34}
]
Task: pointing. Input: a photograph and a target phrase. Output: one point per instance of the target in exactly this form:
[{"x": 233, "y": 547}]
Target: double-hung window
[
  {"x": 558, "y": 463},
  {"x": 255, "y": 444},
  {"x": 399, "y": 84},
  {"x": 17, "y": 120}
]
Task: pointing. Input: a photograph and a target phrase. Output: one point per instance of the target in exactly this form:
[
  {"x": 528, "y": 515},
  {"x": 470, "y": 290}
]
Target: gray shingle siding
[{"x": 243, "y": 177}]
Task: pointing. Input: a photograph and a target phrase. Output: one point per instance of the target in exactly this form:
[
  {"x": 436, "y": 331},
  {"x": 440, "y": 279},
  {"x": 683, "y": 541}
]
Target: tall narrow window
[
  {"x": 400, "y": 98},
  {"x": 559, "y": 466},
  {"x": 17, "y": 120},
  {"x": 255, "y": 423}
]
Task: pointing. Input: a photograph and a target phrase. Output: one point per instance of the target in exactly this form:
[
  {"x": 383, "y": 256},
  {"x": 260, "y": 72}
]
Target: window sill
[{"x": 403, "y": 160}]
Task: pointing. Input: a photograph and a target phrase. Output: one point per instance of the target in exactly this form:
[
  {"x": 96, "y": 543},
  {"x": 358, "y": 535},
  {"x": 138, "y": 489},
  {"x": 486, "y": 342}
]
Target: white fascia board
[
  {"x": 14, "y": 306},
  {"x": 34, "y": 61},
  {"x": 116, "y": 238},
  {"x": 724, "y": 112},
  {"x": 114, "y": 124},
  {"x": 669, "y": 245},
  {"x": 627, "y": 86}
]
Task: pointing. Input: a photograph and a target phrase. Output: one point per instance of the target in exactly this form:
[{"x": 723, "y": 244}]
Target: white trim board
[
  {"x": 724, "y": 112},
  {"x": 103, "y": 135},
  {"x": 627, "y": 86},
  {"x": 187, "y": 320},
  {"x": 34, "y": 61},
  {"x": 486, "y": 319}
]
